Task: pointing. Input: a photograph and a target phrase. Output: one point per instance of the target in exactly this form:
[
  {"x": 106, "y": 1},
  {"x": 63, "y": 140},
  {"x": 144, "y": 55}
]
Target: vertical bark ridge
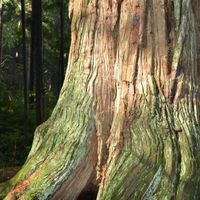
[{"x": 104, "y": 56}]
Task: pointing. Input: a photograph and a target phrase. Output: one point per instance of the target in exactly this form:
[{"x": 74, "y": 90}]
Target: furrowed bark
[
  {"x": 154, "y": 134},
  {"x": 128, "y": 111}
]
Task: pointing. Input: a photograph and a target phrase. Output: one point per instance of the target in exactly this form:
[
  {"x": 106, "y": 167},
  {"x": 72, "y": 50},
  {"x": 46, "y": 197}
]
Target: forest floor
[{"x": 8, "y": 173}]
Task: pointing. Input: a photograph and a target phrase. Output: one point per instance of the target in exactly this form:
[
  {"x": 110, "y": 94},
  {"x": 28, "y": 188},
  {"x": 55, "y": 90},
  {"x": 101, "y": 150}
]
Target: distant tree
[
  {"x": 32, "y": 65},
  {"x": 1, "y": 29},
  {"x": 25, "y": 68},
  {"x": 61, "y": 59},
  {"x": 37, "y": 58}
]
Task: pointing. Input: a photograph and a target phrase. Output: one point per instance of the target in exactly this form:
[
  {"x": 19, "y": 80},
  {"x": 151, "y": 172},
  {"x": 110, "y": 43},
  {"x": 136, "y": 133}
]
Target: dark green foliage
[{"x": 14, "y": 143}]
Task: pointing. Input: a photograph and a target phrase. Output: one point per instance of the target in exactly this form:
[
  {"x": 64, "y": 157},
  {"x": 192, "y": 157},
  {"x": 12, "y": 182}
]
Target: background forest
[{"x": 34, "y": 47}]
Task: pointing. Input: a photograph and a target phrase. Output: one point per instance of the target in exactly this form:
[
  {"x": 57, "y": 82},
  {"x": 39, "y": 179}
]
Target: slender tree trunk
[
  {"x": 32, "y": 65},
  {"x": 61, "y": 59},
  {"x": 32, "y": 70},
  {"x": 128, "y": 113},
  {"x": 1, "y": 30},
  {"x": 37, "y": 60},
  {"x": 26, "y": 92},
  {"x": 32, "y": 77}
]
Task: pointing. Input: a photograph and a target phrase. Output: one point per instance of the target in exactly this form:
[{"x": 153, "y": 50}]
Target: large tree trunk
[{"x": 128, "y": 113}]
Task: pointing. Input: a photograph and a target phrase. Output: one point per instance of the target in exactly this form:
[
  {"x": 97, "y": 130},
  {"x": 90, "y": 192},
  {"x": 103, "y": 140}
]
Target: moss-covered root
[
  {"x": 63, "y": 152},
  {"x": 160, "y": 164},
  {"x": 60, "y": 175}
]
